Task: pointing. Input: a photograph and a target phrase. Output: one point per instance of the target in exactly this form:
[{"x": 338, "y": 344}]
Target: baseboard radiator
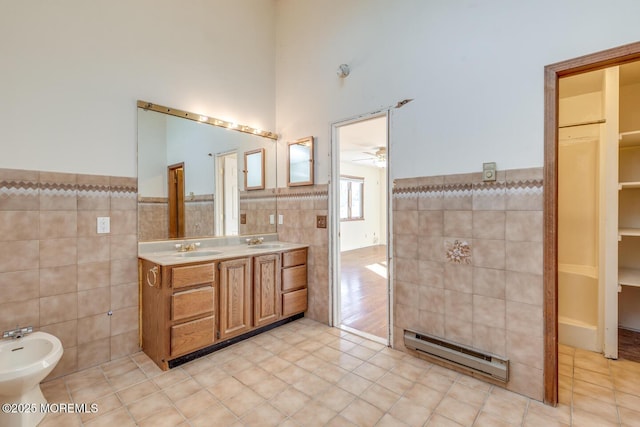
[{"x": 485, "y": 364}]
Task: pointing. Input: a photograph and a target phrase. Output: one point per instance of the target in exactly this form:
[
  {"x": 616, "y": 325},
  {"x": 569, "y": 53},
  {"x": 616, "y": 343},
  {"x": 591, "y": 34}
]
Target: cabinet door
[
  {"x": 235, "y": 297},
  {"x": 266, "y": 303}
]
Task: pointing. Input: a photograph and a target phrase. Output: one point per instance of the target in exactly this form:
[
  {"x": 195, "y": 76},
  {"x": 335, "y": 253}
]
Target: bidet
[{"x": 24, "y": 362}]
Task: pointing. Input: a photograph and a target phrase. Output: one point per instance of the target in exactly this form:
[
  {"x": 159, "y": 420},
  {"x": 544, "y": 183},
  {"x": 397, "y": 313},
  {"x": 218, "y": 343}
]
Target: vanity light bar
[{"x": 205, "y": 119}]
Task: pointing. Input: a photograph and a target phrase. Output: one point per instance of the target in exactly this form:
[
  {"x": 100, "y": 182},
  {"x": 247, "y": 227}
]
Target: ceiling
[{"x": 361, "y": 140}]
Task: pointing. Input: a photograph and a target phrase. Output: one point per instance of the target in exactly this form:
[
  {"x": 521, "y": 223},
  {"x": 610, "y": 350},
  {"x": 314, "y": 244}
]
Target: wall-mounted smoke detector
[{"x": 343, "y": 71}]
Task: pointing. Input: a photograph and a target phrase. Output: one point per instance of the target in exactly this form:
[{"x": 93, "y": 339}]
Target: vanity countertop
[{"x": 217, "y": 253}]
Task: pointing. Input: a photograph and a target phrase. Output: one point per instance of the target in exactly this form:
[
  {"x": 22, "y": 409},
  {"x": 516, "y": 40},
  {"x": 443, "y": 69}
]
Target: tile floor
[{"x": 306, "y": 373}]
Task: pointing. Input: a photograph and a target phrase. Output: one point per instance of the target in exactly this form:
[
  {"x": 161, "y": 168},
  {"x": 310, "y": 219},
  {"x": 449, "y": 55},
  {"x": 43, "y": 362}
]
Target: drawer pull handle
[{"x": 152, "y": 271}]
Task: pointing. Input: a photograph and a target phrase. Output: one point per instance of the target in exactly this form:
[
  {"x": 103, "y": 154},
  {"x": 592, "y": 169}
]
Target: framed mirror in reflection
[
  {"x": 188, "y": 180},
  {"x": 300, "y": 162},
  {"x": 254, "y": 169}
]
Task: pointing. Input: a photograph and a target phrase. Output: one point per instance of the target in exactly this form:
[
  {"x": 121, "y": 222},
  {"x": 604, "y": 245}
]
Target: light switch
[
  {"x": 272, "y": 219},
  {"x": 104, "y": 224},
  {"x": 280, "y": 219}
]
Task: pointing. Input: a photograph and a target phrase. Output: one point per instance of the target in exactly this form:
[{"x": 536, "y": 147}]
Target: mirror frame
[
  {"x": 246, "y": 170},
  {"x": 308, "y": 141}
]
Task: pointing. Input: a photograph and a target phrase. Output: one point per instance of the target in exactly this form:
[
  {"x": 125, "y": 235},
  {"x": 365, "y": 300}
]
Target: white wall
[
  {"x": 474, "y": 69},
  {"x": 371, "y": 230},
  {"x": 72, "y": 71}
]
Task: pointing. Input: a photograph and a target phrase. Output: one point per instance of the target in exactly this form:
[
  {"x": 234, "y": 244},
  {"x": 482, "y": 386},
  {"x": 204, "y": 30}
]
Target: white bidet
[{"x": 24, "y": 362}]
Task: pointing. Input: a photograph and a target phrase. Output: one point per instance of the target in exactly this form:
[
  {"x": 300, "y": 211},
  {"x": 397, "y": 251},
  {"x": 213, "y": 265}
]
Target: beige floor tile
[
  {"x": 331, "y": 372},
  {"x": 334, "y": 398},
  {"x": 629, "y": 417},
  {"x": 370, "y": 371},
  {"x": 410, "y": 412},
  {"x": 147, "y": 406},
  {"x": 192, "y": 405},
  {"x": 354, "y": 384},
  {"x": 560, "y": 414},
  {"x": 311, "y": 385},
  {"x": 395, "y": 383},
  {"x": 292, "y": 374},
  {"x": 487, "y": 419},
  {"x": 236, "y": 365},
  {"x": 628, "y": 401},
  {"x": 362, "y": 413},
  {"x": 169, "y": 417},
  {"x": 469, "y": 395},
  {"x": 310, "y": 362},
  {"x": 216, "y": 415},
  {"x": 269, "y": 387},
  {"x": 242, "y": 402},
  {"x": 380, "y": 397},
  {"x": 424, "y": 396},
  {"x": 586, "y": 419},
  {"x": 127, "y": 379},
  {"x": 138, "y": 391},
  {"x": 252, "y": 375},
  {"x": 274, "y": 364},
  {"x": 506, "y": 406},
  {"x": 226, "y": 388},
  {"x": 348, "y": 362},
  {"x": 313, "y": 414},
  {"x": 340, "y": 421},
  {"x": 458, "y": 411},
  {"x": 290, "y": 401},
  {"x": 103, "y": 404},
  {"x": 538, "y": 420},
  {"x": 597, "y": 378},
  {"x": 169, "y": 378},
  {"x": 389, "y": 421},
  {"x": 209, "y": 377},
  {"x": 362, "y": 352},
  {"x": 82, "y": 379},
  {"x": 408, "y": 371},
  {"x": 264, "y": 415},
  {"x": 438, "y": 420},
  {"x": 120, "y": 418},
  {"x": 436, "y": 381},
  {"x": 182, "y": 389},
  {"x": 88, "y": 394},
  {"x": 60, "y": 420},
  {"x": 605, "y": 394},
  {"x": 594, "y": 406}
]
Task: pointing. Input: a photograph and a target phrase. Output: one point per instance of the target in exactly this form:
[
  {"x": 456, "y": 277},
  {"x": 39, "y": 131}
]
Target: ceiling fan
[{"x": 379, "y": 158}]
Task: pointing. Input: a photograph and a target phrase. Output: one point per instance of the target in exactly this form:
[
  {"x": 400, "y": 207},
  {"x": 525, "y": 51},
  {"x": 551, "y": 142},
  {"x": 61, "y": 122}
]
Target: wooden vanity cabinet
[
  {"x": 192, "y": 306},
  {"x": 294, "y": 282},
  {"x": 266, "y": 289},
  {"x": 235, "y": 297},
  {"x": 178, "y": 309}
]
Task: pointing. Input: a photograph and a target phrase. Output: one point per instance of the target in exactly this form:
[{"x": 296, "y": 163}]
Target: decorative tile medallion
[{"x": 458, "y": 252}]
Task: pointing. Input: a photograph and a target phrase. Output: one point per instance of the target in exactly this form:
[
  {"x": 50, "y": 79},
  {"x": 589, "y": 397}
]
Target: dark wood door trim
[{"x": 552, "y": 73}]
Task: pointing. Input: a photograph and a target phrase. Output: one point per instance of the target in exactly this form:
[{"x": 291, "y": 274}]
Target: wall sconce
[{"x": 343, "y": 71}]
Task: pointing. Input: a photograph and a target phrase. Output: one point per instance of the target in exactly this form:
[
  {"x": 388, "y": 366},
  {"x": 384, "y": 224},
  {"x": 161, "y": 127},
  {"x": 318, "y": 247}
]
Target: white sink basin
[{"x": 196, "y": 254}]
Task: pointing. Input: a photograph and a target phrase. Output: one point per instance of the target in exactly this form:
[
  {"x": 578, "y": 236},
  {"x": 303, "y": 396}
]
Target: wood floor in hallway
[{"x": 364, "y": 303}]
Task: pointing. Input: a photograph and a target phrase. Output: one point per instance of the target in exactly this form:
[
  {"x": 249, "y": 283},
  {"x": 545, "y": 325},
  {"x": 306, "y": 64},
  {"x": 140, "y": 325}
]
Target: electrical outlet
[
  {"x": 272, "y": 219},
  {"x": 321, "y": 221},
  {"x": 104, "y": 225}
]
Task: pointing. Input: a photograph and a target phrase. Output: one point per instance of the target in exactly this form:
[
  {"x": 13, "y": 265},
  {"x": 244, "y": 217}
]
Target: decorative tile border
[{"x": 461, "y": 190}]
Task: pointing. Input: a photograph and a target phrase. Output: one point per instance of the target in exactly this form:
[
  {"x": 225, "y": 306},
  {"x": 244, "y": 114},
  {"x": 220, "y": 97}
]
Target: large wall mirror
[{"x": 190, "y": 176}]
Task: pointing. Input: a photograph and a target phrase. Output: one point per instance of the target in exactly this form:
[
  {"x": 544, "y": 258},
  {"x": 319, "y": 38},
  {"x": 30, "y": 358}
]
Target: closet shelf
[
  {"x": 634, "y": 232},
  {"x": 623, "y": 185},
  {"x": 630, "y": 139},
  {"x": 629, "y": 276}
]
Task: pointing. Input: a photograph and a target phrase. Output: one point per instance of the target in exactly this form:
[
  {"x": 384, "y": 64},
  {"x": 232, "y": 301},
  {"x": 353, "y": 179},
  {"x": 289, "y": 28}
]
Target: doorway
[
  {"x": 226, "y": 197},
  {"x": 175, "y": 174},
  {"x": 359, "y": 234},
  {"x": 553, "y": 74}
]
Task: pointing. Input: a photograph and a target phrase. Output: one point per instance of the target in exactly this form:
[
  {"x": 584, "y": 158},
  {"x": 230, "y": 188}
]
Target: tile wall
[
  {"x": 300, "y": 207},
  {"x": 154, "y": 218},
  {"x": 468, "y": 266},
  {"x": 58, "y": 275},
  {"x": 257, "y": 206}
]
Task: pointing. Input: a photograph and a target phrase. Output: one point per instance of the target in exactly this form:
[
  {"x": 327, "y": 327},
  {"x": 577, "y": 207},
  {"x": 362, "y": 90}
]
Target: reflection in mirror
[
  {"x": 206, "y": 196},
  {"x": 254, "y": 169},
  {"x": 300, "y": 164}
]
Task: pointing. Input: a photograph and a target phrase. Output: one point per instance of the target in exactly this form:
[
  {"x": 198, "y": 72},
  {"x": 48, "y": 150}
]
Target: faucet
[
  {"x": 18, "y": 332},
  {"x": 254, "y": 241},
  {"x": 184, "y": 247}
]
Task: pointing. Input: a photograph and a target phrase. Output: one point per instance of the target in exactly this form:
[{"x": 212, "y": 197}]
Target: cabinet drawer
[
  {"x": 192, "y": 303},
  {"x": 296, "y": 257},
  {"x": 294, "y": 302},
  {"x": 294, "y": 278},
  {"x": 192, "y": 335},
  {"x": 193, "y": 275}
]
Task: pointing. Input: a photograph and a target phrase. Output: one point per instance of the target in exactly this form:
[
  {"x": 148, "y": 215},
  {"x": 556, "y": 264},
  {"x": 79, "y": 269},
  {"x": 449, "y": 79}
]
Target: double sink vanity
[{"x": 199, "y": 296}]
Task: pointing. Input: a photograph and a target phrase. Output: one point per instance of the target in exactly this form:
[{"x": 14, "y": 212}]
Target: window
[{"x": 351, "y": 198}]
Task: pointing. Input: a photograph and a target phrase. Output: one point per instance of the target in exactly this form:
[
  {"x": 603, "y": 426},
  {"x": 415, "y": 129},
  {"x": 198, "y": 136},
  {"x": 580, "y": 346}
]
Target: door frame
[
  {"x": 607, "y": 58},
  {"x": 175, "y": 184},
  {"x": 334, "y": 223}
]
